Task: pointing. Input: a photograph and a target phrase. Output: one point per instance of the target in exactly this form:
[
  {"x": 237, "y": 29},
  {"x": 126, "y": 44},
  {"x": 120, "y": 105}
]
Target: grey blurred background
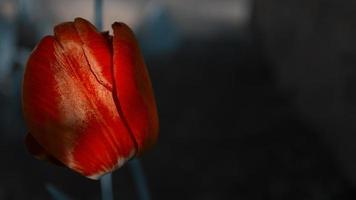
[{"x": 256, "y": 98}]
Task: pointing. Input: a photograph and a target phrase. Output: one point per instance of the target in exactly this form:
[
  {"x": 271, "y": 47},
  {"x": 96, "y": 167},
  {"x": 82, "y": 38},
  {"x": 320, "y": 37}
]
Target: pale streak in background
[{"x": 192, "y": 17}]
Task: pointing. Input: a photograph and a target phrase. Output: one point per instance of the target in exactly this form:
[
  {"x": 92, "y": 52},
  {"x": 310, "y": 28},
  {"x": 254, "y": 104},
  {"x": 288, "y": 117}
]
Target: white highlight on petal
[
  {"x": 72, "y": 98},
  {"x": 120, "y": 162},
  {"x": 96, "y": 176},
  {"x": 75, "y": 84}
]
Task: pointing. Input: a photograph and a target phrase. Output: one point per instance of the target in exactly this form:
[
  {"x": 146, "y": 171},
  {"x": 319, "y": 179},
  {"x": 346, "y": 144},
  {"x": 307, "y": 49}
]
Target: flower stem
[
  {"x": 106, "y": 187},
  {"x": 139, "y": 179},
  {"x": 106, "y": 180},
  {"x": 134, "y": 165},
  {"x": 98, "y": 10}
]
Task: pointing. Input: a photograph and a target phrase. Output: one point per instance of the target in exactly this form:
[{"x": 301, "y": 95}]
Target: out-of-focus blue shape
[
  {"x": 12, "y": 57},
  {"x": 106, "y": 187},
  {"x": 7, "y": 47},
  {"x": 139, "y": 179},
  {"x": 56, "y": 193},
  {"x": 157, "y": 33},
  {"x": 28, "y": 23},
  {"x": 17, "y": 75},
  {"x": 25, "y": 7}
]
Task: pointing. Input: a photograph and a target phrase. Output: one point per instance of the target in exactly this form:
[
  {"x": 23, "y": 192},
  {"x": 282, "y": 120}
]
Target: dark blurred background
[{"x": 257, "y": 98}]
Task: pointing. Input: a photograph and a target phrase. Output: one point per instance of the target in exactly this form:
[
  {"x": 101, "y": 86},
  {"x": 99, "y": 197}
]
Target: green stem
[
  {"x": 98, "y": 10},
  {"x": 139, "y": 179},
  {"x": 106, "y": 187},
  {"x": 106, "y": 180}
]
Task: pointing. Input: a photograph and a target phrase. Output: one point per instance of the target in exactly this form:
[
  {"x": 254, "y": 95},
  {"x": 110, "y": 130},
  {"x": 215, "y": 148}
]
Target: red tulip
[{"x": 87, "y": 99}]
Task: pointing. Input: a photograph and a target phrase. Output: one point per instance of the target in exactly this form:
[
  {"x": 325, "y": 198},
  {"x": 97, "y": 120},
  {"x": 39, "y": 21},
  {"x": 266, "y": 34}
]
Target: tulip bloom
[{"x": 87, "y": 99}]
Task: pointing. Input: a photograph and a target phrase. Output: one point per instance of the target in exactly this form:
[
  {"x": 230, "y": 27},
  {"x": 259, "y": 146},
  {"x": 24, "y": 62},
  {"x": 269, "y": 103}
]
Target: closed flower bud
[{"x": 88, "y": 100}]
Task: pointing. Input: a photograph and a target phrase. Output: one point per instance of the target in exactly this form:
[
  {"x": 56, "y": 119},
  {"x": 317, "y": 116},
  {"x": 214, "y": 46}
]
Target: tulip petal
[
  {"x": 134, "y": 92},
  {"x": 38, "y": 151},
  {"x": 39, "y": 105},
  {"x": 71, "y": 115},
  {"x": 34, "y": 148},
  {"x": 97, "y": 50}
]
